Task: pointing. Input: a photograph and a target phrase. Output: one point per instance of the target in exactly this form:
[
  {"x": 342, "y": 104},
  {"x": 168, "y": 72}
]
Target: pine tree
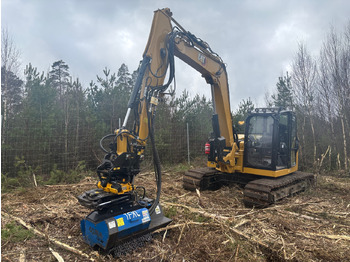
[
  {"x": 124, "y": 78},
  {"x": 59, "y": 77},
  {"x": 284, "y": 97}
]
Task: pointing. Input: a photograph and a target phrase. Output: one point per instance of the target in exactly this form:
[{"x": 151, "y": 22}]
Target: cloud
[{"x": 256, "y": 39}]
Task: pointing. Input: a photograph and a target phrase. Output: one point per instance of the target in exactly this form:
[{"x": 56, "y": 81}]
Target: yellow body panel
[
  {"x": 247, "y": 170},
  {"x": 270, "y": 173},
  {"x": 124, "y": 139},
  {"x": 126, "y": 187},
  {"x": 122, "y": 142}
]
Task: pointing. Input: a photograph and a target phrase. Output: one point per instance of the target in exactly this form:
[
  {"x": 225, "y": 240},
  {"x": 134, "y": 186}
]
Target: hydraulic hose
[
  {"x": 157, "y": 166},
  {"x": 101, "y": 141}
]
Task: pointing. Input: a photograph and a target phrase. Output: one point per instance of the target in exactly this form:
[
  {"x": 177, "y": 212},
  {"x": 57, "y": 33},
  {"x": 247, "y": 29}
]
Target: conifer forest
[{"x": 52, "y": 123}]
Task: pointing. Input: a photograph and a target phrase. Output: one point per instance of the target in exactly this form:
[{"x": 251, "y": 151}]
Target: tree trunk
[
  {"x": 77, "y": 133},
  {"x": 4, "y": 113},
  {"x": 66, "y": 122},
  {"x": 313, "y": 138},
  {"x": 344, "y": 143},
  {"x": 330, "y": 159},
  {"x": 301, "y": 151}
]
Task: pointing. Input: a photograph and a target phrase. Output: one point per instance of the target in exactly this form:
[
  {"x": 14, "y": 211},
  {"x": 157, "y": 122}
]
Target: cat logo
[{"x": 202, "y": 58}]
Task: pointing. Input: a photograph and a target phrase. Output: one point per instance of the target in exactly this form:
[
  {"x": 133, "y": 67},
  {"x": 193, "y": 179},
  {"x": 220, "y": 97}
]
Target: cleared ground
[{"x": 207, "y": 226}]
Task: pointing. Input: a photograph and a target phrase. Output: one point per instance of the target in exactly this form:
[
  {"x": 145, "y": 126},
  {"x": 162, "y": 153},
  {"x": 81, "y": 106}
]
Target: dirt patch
[{"x": 207, "y": 226}]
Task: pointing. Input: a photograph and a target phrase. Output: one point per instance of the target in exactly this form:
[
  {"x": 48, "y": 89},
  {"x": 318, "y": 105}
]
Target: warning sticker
[
  {"x": 145, "y": 213},
  {"x": 145, "y": 219},
  {"x": 145, "y": 216},
  {"x": 158, "y": 210},
  {"x": 120, "y": 222},
  {"x": 111, "y": 224}
]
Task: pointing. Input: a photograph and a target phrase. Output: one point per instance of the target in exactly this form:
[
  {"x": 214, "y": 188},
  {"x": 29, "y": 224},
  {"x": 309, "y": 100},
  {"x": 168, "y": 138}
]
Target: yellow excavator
[{"x": 265, "y": 159}]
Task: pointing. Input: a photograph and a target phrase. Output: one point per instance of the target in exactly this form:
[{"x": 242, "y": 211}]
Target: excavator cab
[{"x": 271, "y": 141}]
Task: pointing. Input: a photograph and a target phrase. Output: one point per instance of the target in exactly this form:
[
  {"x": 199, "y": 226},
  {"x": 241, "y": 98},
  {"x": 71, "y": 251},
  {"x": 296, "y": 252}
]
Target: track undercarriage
[{"x": 258, "y": 192}]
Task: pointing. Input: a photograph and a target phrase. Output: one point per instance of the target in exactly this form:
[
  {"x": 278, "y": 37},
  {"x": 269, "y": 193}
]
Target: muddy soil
[{"x": 207, "y": 226}]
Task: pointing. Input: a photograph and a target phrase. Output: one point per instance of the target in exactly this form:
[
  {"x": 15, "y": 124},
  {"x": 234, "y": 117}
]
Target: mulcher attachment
[{"x": 119, "y": 225}]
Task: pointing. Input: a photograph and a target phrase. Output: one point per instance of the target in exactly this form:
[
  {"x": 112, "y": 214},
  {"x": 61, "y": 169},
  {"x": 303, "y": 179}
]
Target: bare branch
[{"x": 10, "y": 55}]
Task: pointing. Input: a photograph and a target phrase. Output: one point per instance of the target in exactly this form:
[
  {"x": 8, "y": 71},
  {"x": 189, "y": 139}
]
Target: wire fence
[{"x": 48, "y": 149}]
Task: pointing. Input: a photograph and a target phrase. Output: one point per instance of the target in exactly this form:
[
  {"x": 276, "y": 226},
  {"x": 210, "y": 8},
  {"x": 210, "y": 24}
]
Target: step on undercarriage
[{"x": 258, "y": 192}]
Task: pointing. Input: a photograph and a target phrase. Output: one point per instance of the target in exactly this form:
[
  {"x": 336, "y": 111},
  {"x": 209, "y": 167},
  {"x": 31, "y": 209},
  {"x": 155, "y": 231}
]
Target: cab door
[
  {"x": 259, "y": 140},
  {"x": 288, "y": 141},
  {"x": 271, "y": 140}
]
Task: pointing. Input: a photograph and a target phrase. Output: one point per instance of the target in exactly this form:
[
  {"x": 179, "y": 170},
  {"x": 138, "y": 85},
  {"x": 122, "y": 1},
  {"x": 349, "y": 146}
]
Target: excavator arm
[
  {"x": 117, "y": 199},
  {"x": 166, "y": 41}
]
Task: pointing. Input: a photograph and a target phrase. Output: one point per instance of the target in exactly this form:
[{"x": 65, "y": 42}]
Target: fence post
[{"x": 188, "y": 144}]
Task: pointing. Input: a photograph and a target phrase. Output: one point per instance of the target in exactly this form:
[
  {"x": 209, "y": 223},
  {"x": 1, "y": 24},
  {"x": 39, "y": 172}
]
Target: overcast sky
[{"x": 257, "y": 39}]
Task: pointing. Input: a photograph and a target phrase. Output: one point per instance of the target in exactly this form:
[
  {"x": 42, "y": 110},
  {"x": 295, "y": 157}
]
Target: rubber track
[
  {"x": 258, "y": 192},
  {"x": 202, "y": 178},
  {"x": 266, "y": 191}
]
